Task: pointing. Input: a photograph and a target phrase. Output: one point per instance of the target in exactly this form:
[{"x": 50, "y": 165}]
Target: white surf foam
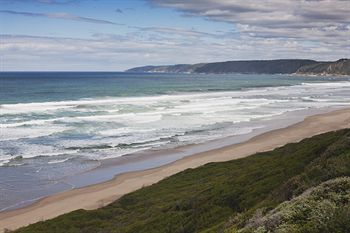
[{"x": 129, "y": 120}]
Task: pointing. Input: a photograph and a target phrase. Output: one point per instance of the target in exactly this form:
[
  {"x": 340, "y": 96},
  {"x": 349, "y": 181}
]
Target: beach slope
[{"x": 96, "y": 196}]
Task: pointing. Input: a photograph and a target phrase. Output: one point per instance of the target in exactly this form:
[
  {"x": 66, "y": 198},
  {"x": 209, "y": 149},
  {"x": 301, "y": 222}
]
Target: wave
[
  {"x": 58, "y": 161},
  {"x": 21, "y": 203},
  {"x": 17, "y": 133},
  {"x": 87, "y": 103},
  {"x": 341, "y": 84},
  {"x": 116, "y": 126}
]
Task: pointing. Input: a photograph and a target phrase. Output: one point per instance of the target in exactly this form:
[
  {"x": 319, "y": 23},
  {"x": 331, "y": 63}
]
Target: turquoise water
[
  {"x": 55, "y": 125},
  {"x": 27, "y": 87}
]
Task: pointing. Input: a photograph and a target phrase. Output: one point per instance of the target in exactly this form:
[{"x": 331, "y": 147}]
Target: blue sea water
[
  {"x": 58, "y": 124},
  {"x": 28, "y": 87}
]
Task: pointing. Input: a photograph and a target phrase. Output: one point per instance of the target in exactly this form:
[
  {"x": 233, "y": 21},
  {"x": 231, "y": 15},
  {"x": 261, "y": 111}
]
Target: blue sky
[{"x": 116, "y": 35}]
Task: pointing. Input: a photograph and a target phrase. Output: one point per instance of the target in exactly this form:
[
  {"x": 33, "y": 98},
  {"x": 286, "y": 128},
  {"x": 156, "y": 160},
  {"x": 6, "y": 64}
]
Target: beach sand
[{"x": 98, "y": 195}]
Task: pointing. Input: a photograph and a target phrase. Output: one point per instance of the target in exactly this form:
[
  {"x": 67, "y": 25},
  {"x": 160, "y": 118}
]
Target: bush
[{"x": 220, "y": 197}]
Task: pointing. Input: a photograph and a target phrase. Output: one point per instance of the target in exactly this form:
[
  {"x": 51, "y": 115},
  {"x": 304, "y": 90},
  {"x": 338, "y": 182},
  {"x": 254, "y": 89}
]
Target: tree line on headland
[{"x": 281, "y": 66}]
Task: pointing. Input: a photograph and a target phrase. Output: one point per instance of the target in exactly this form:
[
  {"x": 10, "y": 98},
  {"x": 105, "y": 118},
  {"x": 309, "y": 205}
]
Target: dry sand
[{"x": 98, "y": 195}]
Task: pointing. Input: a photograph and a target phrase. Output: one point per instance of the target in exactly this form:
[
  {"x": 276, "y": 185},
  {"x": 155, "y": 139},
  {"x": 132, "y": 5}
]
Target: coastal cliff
[
  {"x": 340, "y": 67},
  {"x": 283, "y": 66},
  {"x": 280, "y": 66}
]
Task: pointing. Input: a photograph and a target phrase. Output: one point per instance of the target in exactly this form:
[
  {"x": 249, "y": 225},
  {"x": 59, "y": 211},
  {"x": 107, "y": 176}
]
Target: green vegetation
[
  {"x": 278, "y": 66},
  {"x": 281, "y": 66},
  {"x": 325, "y": 208},
  {"x": 340, "y": 67},
  {"x": 253, "y": 194}
]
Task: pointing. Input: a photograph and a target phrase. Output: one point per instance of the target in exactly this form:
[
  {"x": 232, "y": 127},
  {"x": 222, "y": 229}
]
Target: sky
[{"x": 114, "y": 35}]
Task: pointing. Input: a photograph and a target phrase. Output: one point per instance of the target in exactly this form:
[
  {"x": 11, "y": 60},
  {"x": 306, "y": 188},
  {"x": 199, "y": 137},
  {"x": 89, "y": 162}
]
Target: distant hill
[
  {"x": 280, "y": 66},
  {"x": 259, "y": 67},
  {"x": 300, "y": 187},
  {"x": 340, "y": 67},
  {"x": 180, "y": 68}
]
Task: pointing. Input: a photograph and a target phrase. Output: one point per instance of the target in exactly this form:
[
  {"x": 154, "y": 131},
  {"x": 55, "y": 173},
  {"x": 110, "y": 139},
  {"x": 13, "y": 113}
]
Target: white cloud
[
  {"x": 320, "y": 21},
  {"x": 268, "y": 29},
  {"x": 59, "y": 15},
  {"x": 108, "y": 52}
]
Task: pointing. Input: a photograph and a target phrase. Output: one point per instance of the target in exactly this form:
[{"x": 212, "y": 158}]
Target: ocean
[{"x": 57, "y": 125}]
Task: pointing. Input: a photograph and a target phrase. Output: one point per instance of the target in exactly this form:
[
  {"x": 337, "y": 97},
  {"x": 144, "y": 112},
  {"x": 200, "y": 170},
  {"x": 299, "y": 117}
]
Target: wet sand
[{"x": 95, "y": 196}]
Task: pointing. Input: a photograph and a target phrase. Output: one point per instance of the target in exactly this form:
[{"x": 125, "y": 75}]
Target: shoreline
[
  {"x": 98, "y": 195},
  {"x": 107, "y": 169},
  {"x": 326, "y": 75}
]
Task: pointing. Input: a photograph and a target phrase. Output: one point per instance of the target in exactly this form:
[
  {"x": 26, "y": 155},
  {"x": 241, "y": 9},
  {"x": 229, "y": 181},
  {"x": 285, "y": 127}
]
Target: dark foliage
[{"x": 218, "y": 195}]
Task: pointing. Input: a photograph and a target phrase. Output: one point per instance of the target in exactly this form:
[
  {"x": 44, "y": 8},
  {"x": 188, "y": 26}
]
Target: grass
[{"x": 217, "y": 197}]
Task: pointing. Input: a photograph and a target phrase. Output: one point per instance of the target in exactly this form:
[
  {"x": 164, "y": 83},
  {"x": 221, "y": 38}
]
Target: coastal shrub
[
  {"x": 320, "y": 209},
  {"x": 225, "y": 196}
]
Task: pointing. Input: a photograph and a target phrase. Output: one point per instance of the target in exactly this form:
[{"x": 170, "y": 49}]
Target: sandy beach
[{"x": 98, "y": 195}]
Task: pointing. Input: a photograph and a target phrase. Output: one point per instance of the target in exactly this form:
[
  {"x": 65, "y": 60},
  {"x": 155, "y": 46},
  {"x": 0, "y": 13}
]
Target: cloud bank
[
  {"x": 119, "y": 52},
  {"x": 271, "y": 15},
  {"x": 62, "y": 15},
  {"x": 326, "y": 22},
  {"x": 268, "y": 29}
]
